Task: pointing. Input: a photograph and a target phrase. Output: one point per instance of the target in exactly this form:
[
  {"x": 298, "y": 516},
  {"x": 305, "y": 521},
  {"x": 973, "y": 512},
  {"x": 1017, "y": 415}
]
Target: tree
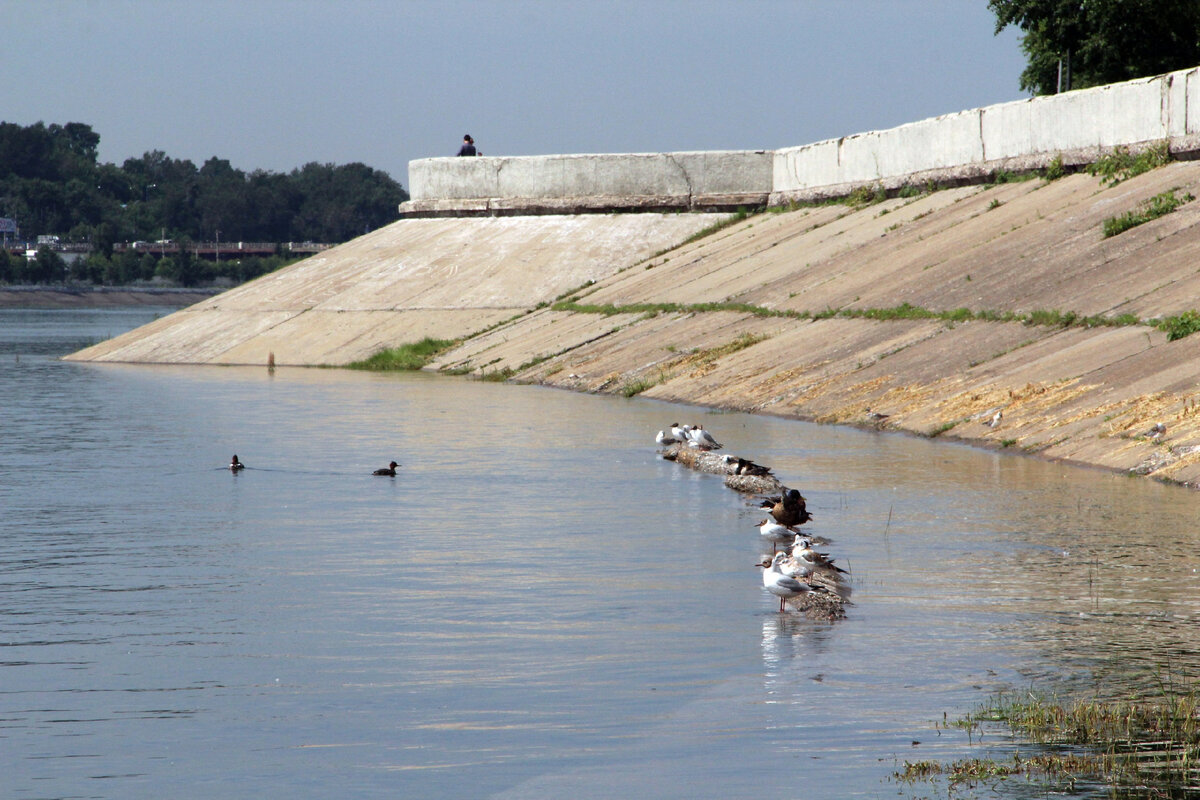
[{"x": 1074, "y": 44}]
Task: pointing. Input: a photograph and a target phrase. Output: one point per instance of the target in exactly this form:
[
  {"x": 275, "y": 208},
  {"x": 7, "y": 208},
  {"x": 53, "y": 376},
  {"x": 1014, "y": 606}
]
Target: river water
[{"x": 537, "y": 605}]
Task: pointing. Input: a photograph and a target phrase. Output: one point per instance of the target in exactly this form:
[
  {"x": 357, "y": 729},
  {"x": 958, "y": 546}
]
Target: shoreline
[{"x": 100, "y": 296}]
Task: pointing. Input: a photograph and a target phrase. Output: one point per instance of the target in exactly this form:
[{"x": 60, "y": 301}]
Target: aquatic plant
[{"x": 1149, "y": 743}]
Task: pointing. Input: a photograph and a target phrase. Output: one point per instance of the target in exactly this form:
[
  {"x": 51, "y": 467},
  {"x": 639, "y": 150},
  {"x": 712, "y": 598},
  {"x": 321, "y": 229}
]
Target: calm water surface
[{"x": 536, "y": 606}]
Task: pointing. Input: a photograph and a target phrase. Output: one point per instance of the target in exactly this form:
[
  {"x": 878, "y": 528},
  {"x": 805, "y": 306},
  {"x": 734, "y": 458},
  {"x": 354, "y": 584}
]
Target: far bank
[{"x": 99, "y": 296}]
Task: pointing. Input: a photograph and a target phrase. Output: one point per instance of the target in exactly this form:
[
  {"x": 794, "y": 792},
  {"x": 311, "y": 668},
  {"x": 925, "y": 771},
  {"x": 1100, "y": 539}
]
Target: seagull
[
  {"x": 811, "y": 561},
  {"x": 783, "y": 586},
  {"x": 390, "y": 469},
  {"x": 776, "y": 534},
  {"x": 235, "y": 465},
  {"x": 875, "y": 416},
  {"x": 702, "y": 438},
  {"x": 995, "y": 421},
  {"x": 1156, "y": 431},
  {"x": 664, "y": 439},
  {"x": 680, "y": 432}
]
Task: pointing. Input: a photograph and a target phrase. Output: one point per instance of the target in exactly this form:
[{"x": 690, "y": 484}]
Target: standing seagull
[
  {"x": 780, "y": 585},
  {"x": 702, "y": 438},
  {"x": 776, "y": 534}
]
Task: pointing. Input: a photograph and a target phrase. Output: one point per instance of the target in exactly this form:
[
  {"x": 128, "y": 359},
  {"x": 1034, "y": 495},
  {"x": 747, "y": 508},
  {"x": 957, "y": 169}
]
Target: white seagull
[
  {"x": 775, "y": 533},
  {"x": 664, "y": 439},
  {"x": 680, "y": 432},
  {"x": 810, "y": 561},
  {"x": 783, "y": 586},
  {"x": 702, "y": 438}
]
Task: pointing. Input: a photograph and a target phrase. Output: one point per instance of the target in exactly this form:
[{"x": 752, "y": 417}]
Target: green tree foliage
[
  {"x": 1100, "y": 41},
  {"x": 51, "y": 182}
]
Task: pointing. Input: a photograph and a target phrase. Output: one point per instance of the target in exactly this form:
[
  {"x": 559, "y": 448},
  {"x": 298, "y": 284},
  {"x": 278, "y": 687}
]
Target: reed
[{"x": 1150, "y": 743}]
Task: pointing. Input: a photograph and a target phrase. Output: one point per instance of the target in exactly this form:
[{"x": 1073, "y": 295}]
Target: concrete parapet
[
  {"x": 968, "y": 146},
  {"x": 1076, "y": 127},
  {"x": 558, "y": 184}
]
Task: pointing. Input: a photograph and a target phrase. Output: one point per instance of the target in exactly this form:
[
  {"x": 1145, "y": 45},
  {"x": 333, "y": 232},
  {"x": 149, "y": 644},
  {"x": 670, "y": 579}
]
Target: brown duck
[{"x": 791, "y": 509}]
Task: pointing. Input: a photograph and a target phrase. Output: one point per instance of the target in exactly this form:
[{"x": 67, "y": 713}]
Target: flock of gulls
[{"x": 794, "y": 571}]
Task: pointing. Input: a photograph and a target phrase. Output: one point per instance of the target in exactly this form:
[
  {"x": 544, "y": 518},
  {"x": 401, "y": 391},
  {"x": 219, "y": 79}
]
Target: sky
[{"x": 276, "y": 84}]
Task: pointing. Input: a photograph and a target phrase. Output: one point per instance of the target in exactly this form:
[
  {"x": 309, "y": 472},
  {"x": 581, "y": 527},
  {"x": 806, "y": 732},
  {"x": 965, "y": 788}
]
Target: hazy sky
[{"x": 274, "y": 84}]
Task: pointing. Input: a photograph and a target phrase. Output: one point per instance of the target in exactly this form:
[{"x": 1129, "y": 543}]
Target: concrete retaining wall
[
  {"x": 969, "y": 145},
  {"x": 571, "y": 183}
]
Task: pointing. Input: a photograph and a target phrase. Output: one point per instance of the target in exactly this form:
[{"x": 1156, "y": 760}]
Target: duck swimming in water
[
  {"x": 390, "y": 469},
  {"x": 235, "y": 465}
]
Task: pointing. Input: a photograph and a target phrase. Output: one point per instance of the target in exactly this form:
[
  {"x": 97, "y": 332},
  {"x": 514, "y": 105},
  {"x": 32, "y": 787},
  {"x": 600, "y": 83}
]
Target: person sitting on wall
[{"x": 468, "y": 147}]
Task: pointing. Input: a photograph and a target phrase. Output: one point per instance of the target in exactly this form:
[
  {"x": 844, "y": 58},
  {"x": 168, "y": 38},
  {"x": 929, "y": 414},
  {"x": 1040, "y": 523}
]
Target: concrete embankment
[
  {"x": 831, "y": 313},
  {"x": 1081, "y": 394},
  {"x": 443, "y": 278}
]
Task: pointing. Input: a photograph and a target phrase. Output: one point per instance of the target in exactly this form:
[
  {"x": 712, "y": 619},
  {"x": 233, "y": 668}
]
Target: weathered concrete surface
[
  {"x": 412, "y": 279},
  {"x": 1084, "y": 395}
]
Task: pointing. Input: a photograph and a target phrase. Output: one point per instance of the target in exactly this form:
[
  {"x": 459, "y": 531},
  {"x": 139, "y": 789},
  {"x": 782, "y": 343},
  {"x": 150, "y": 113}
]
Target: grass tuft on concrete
[{"x": 409, "y": 357}]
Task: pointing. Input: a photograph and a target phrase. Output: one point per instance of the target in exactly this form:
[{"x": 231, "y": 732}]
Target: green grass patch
[
  {"x": 412, "y": 356},
  {"x": 945, "y": 426},
  {"x": 1158, "y": 206},
  {"x": 1039, "y": 317},
  {"x": 1121, "y": 165},
  {"x": 1181, "y": 326},
  {"x": 1055, "y": 169},
  {"x": 496, "y": 375},
  {"x": 742, "y": 214},
  {"x": 865, "y": 196}
]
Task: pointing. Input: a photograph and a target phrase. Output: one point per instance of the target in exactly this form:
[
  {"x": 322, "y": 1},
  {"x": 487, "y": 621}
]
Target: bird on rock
[
  {"x": 680, "y": 432},
  {"x": 776, "y": 534},
  {"x": 791, "y": 510},
  {"x": 703, "y": 439},
  {"x": 812, "y": 561},
  {"x": 746, "y": 467},
  {"x": 783, "y": 586}
]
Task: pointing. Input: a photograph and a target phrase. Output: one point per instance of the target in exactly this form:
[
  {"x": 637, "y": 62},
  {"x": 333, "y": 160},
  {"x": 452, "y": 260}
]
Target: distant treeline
[
  {"x": 52, "y": 184},
  {"x": 130, "y": 267}
]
